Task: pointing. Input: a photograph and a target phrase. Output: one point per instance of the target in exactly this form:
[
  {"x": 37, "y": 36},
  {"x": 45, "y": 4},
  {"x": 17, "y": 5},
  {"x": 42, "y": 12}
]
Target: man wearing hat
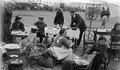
[
  {"x": 41, "y": 25},
  {"x": 77, "y": 21},
  {"x": 18, "y": 25},
  {"x": 59, "y": 18}
]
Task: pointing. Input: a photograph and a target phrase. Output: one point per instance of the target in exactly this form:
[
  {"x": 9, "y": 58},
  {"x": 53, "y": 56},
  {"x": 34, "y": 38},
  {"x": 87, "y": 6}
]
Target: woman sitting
[
  {"x": 61, "y": 48},
  {"x": 101, "y": 49},
  {"x": 30, "y": 41}
]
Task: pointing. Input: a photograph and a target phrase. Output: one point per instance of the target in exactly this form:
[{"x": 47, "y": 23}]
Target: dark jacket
[
  {"x": 18, "y": 26},
  {"x": 59, "y": 18},
  {"x": 79, "y": 22},
  {"x": 60, "y": 41},
  {"x": 101, "y": 49},
  {"x": 41, "y": 26}
]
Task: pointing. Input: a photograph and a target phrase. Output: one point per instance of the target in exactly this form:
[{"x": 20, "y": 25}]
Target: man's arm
[
  {"x": 56, "y": 17},
  {"x": 78, "y": 17},
  {"x": 65, "y": 43},
  {"x": 81, "y": 24},
  {"x": 115, "y": 34},
  {"x": 22, "y": 27},
  {"x": 35, "y": 23},
  {"x": 13, "y": 27}
]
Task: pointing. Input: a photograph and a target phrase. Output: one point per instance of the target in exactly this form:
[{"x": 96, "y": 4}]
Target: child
[
  {"x": 115, "y": 37},
  {"x": 101, "y": 50}
]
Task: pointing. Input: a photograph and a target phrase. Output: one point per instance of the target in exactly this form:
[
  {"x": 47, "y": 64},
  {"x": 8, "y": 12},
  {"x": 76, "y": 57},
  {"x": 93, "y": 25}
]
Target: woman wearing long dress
[{"x": 61, "y": 48}]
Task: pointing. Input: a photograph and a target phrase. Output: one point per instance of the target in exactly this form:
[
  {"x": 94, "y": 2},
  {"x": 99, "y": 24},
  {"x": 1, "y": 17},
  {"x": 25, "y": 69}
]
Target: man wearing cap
[
  {"x": 77, "y": 21},
  {"x": 59, "y": 18},
  {"x": 18, "y": 25},
  {"x": 41, "y": 25}
]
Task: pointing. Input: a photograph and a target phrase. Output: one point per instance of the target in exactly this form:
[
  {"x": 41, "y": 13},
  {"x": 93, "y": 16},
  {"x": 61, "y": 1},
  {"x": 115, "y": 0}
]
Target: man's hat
[
  {"x": 72, "y": 11},
  {"x": 17, "y": 17},
  {"x": 40, "y": 17}
]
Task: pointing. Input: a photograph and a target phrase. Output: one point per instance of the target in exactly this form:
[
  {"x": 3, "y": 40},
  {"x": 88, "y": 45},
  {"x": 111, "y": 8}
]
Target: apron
[{"x": 61, "y": 52}]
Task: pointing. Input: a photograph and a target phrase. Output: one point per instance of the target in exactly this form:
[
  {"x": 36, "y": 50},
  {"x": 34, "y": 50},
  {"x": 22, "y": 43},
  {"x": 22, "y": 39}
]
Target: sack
[
  {"x": 46, "y": 62},
  {"x": 68, "y": 65}
]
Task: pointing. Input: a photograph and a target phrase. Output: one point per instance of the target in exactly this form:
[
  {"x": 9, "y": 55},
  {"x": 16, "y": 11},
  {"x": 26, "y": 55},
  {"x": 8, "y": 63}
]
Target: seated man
[{"x": 17, "y": 25}]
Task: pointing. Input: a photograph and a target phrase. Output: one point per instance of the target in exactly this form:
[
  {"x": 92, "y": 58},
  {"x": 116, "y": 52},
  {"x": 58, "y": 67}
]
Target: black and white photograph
[{"x": 59, "y": 34}]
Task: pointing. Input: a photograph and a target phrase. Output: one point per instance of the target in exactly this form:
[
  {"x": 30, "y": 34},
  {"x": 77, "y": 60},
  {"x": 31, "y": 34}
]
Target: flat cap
[{"x": 72, "y": 11}]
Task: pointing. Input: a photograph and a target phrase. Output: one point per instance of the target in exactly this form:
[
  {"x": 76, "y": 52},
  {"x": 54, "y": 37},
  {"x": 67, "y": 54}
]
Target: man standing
[
  {"x": 7, "y": 19},
  {"x": 41, "y": 25},
  {"x": 77, "y": 21},
  {"x": 59, "y": 18}
]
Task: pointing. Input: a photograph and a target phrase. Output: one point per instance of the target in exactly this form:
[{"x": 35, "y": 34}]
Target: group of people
[
  {"x": 19, "y": 26},
  {"x": 61, "y": 48},
  {"x": 105, "y": 14},
  {"x": 76, "y": 21}
]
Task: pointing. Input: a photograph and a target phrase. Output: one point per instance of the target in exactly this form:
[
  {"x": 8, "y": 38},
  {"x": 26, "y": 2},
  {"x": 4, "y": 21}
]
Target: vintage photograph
[{"x": 59, "y": 35}]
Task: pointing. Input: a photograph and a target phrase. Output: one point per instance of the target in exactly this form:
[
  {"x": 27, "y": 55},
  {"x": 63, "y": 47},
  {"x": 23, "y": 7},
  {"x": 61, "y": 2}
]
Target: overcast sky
[{"x": 68, "y": 1}]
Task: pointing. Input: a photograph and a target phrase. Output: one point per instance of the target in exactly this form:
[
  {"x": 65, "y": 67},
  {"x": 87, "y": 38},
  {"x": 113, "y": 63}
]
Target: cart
[{"x": 92, "y": 12}]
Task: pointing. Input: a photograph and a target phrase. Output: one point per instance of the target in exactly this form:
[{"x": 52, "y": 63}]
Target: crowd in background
[{"x": 36, "y": 7}]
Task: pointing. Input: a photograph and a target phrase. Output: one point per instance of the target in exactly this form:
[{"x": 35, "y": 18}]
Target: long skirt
[{"x": 61, "y": 52}]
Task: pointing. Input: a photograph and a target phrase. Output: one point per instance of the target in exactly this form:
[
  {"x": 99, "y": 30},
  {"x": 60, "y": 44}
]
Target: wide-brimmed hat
[
  {"x": 40, "y": 17},
  {"x": 17, "y": 17}
]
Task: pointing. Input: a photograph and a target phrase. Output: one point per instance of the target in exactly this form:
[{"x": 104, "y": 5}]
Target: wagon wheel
[{"x": 91, "y": 16}]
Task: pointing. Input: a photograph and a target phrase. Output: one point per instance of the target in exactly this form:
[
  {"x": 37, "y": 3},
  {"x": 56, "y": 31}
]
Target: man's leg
[
  {"x": 96, "y": 63},
  {"x": 80, "y": 37},
  {"x": 60, "y": 25},
  {"x": 41, "y": 38}
]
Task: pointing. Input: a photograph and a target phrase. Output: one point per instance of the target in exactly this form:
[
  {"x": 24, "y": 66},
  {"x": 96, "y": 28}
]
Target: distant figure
[
  {"x": 77, "y": 21},
  {"x": 104, "y": 21},
  {"x": 18, "y": 25},
  {"x": 108, "y": 12},
  {"x": 103, "y": 12},
  {"x": 41, "y": 25},
  {"x": 59, "y": 18}
]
